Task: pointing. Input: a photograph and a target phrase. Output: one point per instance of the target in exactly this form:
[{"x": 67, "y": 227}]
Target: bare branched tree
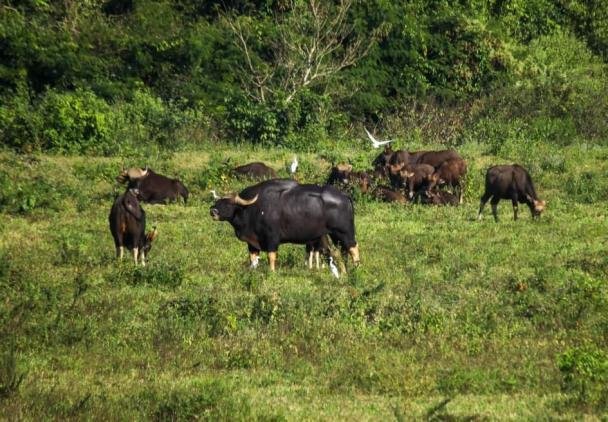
[{"x": 313, "y": 41}]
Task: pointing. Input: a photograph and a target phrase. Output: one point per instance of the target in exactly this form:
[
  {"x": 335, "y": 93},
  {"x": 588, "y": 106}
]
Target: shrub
[
  {"x": 201, "y": 399},
  {"x": 10, "y": 378},
  {"x": 585, "y": 374}
]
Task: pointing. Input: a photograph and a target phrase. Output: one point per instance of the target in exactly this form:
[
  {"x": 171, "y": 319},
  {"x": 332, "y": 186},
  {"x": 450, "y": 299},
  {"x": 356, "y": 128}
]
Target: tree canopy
[{"x": 271, "y": 70}]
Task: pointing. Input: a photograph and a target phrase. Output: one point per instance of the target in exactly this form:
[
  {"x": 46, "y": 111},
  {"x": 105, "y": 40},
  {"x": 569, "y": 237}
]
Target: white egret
[
  {"x": 333, "y": 268},
  {"x": 294, "y": 165},
  {"x": 375, "y": 142}
]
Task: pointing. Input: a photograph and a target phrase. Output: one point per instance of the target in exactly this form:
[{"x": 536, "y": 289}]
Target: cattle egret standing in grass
[
  {"x": 215, "y": 195},
  {"x": 333, "y": 268},
  {"x": 375, "y": 142},
  {"x": 294, "y": 165}
]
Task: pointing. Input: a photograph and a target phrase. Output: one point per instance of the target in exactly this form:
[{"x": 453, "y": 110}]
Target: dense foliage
[{"x": 109, "y": 76}]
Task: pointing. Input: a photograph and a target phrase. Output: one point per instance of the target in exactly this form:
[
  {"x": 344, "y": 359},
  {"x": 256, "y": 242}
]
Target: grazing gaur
[
  {"x": 415, "y": 177},
  {"x": 439, "y": 197},
  {"x": 128, "y": 226},
  {"x": 510, "y": 182},
  {"x": 257, "y": 170},
  {"x": 283, "y": 211},
  {"x": 343, "y": 174},
  {"x": 154, "y": 188},
  {"x": 386, "y": 194},
  {"x": 451, "y": 173}
]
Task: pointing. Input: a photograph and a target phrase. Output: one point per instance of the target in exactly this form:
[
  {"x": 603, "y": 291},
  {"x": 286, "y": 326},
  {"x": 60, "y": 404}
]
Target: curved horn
[{"x": 244, "y": 202}]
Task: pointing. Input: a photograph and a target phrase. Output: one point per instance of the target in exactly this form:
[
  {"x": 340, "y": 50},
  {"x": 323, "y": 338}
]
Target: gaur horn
[
  {"x": 344, "y": 167},
  {"x": 244, "y": 202}
]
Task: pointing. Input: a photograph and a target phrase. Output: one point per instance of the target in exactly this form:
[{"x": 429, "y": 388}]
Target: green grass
[{"x": 447, "y": 318}]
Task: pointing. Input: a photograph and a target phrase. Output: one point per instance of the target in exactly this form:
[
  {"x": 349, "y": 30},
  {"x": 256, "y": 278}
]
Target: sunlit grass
[{"x": 445, "y": 317}]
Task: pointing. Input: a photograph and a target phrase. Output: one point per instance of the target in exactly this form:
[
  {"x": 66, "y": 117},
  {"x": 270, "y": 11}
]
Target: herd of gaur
[{"x": 276, "y": 211}]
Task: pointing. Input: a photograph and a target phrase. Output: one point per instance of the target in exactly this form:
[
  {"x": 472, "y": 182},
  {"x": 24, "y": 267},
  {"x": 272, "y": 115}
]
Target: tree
[{"x": 310, "y": 41}]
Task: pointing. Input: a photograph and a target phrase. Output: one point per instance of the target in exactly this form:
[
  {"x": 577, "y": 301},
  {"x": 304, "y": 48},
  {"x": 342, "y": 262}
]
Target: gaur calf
[
  {"x": 343, "y": 175},
  {"x": 439, "y": 197},
  {"x": 128, "y": 226},
  {"x": 510, "y": 182},
  {"x": 451, "y": 172},
  {"x": 416, "y": 178},
  {"x": 386, "y": 194}
]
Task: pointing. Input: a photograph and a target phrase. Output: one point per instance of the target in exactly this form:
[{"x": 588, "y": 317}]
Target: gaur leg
[
  {"x": 135, "y": 254},
  {"x": 118, "y": 243},
  {"x": 142, "y": 258},
  {"x": 354, "y": 253},
  {"x": 458, "y": 187},
  {"x": 482, "y": 203},
  {"x": 254, "y": 256},
  {"x": 317, "y": 259},
  {"x": 515, "y": 204},
  {"x": 494, "y": 203},
  {"x": 272, "y": 259}
]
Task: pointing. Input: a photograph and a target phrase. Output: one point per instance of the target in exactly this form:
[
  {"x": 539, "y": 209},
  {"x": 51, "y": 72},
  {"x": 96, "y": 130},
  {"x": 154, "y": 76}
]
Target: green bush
[
  {"x": 558, "y": 92},
  {"x": 585, "y": 374},
  {"x": 75, "y": 122},
  {"x": 247, "y": 121}
]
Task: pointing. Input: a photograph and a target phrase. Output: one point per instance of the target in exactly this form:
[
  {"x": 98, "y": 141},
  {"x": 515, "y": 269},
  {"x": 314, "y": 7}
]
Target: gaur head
[
  {"x": 132, "y": 173},
  {"x": 364, "y": 182},
  {"x": 341, "y": 172},
  {"x": 435, "y": 180},
  {"x": 537, "y": 206},
  {"x": 394, "y": 169},
  {"x": 224, "y": 208}
]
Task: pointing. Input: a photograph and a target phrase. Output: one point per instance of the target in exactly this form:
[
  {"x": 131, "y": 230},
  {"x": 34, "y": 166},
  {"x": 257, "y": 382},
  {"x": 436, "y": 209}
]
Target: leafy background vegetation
[{"x": 445, "y": 318}]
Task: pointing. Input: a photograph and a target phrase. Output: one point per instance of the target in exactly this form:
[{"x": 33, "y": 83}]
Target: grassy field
[{"x": 447, "y": 318}]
